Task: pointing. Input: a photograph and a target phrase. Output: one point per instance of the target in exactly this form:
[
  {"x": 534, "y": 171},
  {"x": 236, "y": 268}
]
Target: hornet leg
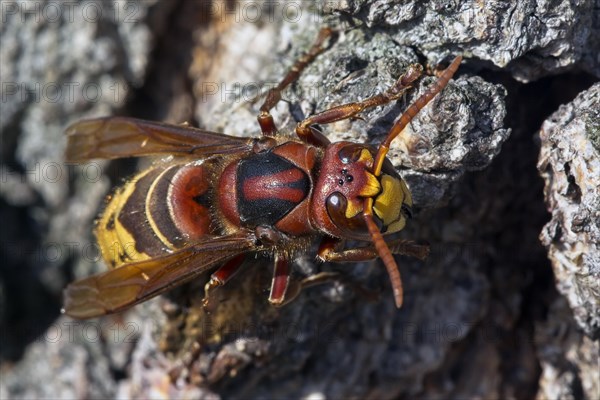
[
  {"x": 265, "y": 119},
  {"x": 219, "y": 278}
]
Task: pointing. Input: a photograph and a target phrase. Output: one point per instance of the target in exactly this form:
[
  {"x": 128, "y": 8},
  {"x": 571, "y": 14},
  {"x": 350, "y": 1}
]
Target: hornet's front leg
[
  {"x": 321, "y": 278},
  {"x": 307, "y": 132},
  {"x": 331, "y": 250}
]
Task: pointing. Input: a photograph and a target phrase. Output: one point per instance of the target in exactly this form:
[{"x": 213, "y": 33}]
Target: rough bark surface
[
  {"x": 528, "y": 38},
  {"x": 482, "y": 316},
  {"x": 570, "y": 165}
]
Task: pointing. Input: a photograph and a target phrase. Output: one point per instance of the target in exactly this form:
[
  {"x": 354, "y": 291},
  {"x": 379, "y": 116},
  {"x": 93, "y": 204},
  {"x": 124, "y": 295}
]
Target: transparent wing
[
  {"x": 118, "y": 137},
  {"x": 130, "y": 284}
]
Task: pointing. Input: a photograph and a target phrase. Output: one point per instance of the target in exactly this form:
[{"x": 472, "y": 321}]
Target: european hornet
[{"x": 219, "y": 197}]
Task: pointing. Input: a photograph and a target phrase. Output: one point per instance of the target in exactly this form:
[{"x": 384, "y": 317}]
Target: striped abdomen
[{"x": 159, "y": 210}]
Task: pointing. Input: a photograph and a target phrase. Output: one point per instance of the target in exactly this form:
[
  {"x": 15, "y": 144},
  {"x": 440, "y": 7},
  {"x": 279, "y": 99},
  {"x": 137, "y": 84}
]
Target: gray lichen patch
[
  {"x": 570, "y": 165},
  {"x": 531, "y": 38}
]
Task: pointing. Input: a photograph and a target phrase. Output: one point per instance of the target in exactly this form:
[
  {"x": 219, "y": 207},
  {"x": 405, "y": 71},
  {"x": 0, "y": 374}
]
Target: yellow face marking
[
  {"x": 353, "y": 208},
  {"x": 371, "y": 186},
  {"x": 370, "y": 189},
  {"x": 365, "y": 157},
  {"x": 387, "y": 205}
]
